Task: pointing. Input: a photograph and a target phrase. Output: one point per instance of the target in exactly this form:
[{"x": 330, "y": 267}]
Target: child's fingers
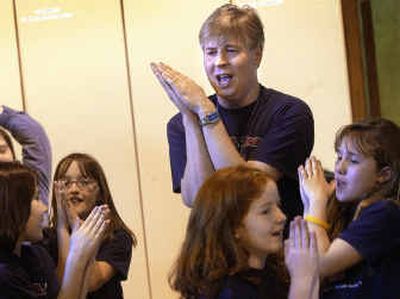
[
  {"x": 314, "y": 165},
  {"x": 76, "y": 224},
  {"x": 88, "y": 223},
  {"x": 301, "y": 172},
  {"x": 286, "y": 247},
  {"x": 297, "y": 233},
  {"x": 304, "y": 234},
  {"x": 292, "y": 236},
  {"x": 96, "y": 216},
  {"x": 313, "y": 243},
  {"x": 59, "y": 191},
  {"x": 97, "y": 223},
  {"x": 308, "y": 168},
  {"x": 102, "y": 229}
]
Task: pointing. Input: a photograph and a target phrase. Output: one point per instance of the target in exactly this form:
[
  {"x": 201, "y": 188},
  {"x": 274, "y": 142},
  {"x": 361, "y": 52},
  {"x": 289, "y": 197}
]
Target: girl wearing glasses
[{"x": 85, "y": 185}]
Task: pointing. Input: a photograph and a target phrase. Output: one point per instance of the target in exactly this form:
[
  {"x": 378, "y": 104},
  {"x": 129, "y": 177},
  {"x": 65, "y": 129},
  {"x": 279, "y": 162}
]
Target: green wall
[{"x": 386, "y": 20}]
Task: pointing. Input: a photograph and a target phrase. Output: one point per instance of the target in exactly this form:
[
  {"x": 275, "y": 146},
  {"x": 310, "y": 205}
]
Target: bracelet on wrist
[
  {"x": 209, "y": 118},
  {"x": 317, "y": 221}
]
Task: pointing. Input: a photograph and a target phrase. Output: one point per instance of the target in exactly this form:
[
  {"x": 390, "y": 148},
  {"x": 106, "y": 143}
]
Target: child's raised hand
[
  {"x": 302, "y": 261},
  {"x": 87, "y": 236},
  {"x": 61, "y": 201},
  {"x": 314, "y": 189},
  {"x": 66, "y": 215}
]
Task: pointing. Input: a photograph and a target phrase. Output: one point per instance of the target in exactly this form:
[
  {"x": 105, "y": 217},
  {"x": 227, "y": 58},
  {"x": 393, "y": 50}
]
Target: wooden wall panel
[
  {"x": 305, "y": 56},
  {"x": 76, "y": 83},
  {"x": 167, "y": 31},
  {"x": 9, "y": 72}
]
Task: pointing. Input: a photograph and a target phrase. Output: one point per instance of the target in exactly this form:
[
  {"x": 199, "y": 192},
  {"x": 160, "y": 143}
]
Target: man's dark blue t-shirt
[{"x": 276, "y": 129}]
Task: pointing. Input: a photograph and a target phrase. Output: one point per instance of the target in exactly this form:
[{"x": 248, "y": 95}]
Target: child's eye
[
  {"x": 231, "y": 50},
  {"x": 265, "y": 211}
]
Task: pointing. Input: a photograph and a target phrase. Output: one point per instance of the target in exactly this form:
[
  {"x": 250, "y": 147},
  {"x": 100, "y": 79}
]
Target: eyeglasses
[{"x": 81, "y": 183}]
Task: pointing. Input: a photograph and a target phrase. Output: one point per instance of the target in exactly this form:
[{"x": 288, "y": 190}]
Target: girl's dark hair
[
  {"x": 210, "y": 251},
  {"x": 17, "y": 189},
  {"x": 90, "y": 168},
  {"x": 8, "y": 140}
]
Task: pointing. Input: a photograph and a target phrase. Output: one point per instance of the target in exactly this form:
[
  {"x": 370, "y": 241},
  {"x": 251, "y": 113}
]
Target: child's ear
[{"x": 385, "y": 174}]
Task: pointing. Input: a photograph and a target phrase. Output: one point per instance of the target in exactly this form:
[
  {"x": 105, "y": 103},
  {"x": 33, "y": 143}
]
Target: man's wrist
[
  {"x": 208, "y": 114},
  {"x": 209, "y": 118}
]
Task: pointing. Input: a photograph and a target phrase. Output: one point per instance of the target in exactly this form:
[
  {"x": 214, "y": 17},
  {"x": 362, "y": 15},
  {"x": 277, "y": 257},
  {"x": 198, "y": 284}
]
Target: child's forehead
[
  {"x": 269, "y": 195},
  {"x": 351, "y": 145},
  {"x": 347, "y": 144}
]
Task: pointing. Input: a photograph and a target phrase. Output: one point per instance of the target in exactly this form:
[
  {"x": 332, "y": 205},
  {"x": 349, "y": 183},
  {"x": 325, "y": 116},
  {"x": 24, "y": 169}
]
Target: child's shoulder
[
  {"x": 383, "y": 212},
  {"x": 387, "y": 206}
]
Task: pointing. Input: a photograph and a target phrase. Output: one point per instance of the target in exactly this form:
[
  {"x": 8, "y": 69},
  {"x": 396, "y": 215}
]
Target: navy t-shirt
[
  {"x": 253, "y": 284},
  {"x": 375, "y": 234},
  {"x": 277, "y": 129},
  {"x": 31, "y": 275},
  {"x": 116, "y": 251}
]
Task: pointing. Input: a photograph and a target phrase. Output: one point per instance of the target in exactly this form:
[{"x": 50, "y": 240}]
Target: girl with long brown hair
[
  {"x": 234, "y": 240},
  {"x": 80, "y": 185},
  {"x": 362, "y": 257}
]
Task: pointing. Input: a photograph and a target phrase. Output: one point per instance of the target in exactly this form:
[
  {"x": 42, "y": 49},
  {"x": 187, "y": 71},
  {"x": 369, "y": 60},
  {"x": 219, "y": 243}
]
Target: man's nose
[{"x": 221, "y": 58}]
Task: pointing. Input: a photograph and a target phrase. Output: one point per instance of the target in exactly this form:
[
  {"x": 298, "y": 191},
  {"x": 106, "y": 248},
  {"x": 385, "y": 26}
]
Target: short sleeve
[
  {"x": 177, "y": 150},
  {"x": 289, "y": 139},
  {"x": 376, "y": 232},
  {"x": 117, "y": 252}
]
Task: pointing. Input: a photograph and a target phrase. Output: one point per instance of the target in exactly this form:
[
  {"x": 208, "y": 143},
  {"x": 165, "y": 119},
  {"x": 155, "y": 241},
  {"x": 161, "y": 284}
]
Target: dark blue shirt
[
  {"x": 253, "y": 284},
  {"x": 375, "y": 234},
  {"x": 117, "y": 252},
  {"x": 31, "y": 275},
  {"x": 276, "y": 129}
]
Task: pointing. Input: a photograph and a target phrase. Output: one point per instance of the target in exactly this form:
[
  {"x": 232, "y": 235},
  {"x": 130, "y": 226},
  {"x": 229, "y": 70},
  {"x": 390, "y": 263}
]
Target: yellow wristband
[{"x": 317, "y": 221}]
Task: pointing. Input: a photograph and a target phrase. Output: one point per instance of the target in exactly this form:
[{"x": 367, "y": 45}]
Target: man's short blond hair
[{"x": 230, "y": 21}]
